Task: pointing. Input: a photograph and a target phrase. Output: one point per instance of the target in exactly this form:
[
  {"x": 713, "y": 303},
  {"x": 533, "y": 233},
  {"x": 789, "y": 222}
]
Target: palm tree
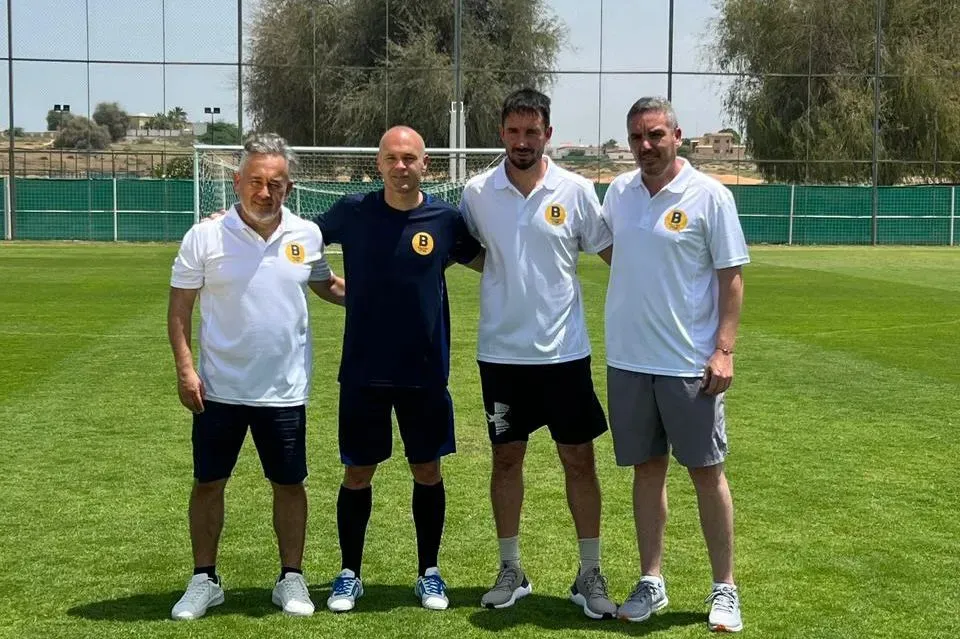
[{"x": 178, "y": 117}]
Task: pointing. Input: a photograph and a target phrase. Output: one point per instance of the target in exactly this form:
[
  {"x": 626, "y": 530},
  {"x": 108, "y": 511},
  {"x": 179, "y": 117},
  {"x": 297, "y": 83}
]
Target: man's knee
[
  {"x": 208, "y": 490},
  {"x": 427, "y": 473},
  {"x": 358, "y": 477},
  {"x": 578, "y": 460},
  {"x": 288, "y": 491},
  {"x": 508, "y": 458},
  {"x": 707, "y": 477}
]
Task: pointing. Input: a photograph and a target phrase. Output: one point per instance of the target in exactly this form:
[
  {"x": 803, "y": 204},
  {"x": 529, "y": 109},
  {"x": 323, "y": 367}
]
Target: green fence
[{"x": 142, "y": 210}]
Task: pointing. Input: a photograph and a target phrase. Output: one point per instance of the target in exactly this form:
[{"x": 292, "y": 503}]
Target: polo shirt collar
[
  {"x": 677, "y": 185},
  {"x": 551, "y": 180},
  {"x": 233, "y": 220}
]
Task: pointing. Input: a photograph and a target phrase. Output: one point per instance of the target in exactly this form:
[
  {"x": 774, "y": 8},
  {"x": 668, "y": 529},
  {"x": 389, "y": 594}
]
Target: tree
[
  {"x": 17, "y": 132},
  {"x": 57, "y": 119},
  {"x": 220, "y": 133},
  {"x": 159, "y": 122},
  {"x": 110, "y": 115},
  {"x": 357, "y": 85},
  {"x": 825, "y": 109},
  {"x": 177, "y": 118},
  {"x": 736, "y": 135},
  {"x": 82, "y": 133},
  {"x": 609, "y": 144}
]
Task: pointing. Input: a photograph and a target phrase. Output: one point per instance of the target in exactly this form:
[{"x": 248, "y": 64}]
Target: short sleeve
[
  {"x": 465, "y": 246},
  {"x": 188, "y": 265},
  {"x": 466, "y": 213},
  {"x": 595, "y": 234},
  {"x": 332, "y": 222},
  {"x": 319, "y": 267},
  {"x": 728, "y": 247}
]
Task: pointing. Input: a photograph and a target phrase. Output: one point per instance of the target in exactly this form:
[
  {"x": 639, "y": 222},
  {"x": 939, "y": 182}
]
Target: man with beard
[
  {"x": 397, "y": 243},
  {"x": 534, "y": 218},
  {"x": 673, "y": 308},
  {"x": 250, "y": 269}
]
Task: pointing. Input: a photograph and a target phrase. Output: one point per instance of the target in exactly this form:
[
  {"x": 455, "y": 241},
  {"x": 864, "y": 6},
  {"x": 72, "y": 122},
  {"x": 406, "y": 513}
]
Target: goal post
[{"x": 323, "y": 175}]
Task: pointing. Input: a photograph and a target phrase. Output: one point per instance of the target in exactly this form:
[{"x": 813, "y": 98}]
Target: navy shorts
[
  {"x": 520, "y": 398},
  {"x": 279, "y": 434},
  {"x": 424, "y": 417}
]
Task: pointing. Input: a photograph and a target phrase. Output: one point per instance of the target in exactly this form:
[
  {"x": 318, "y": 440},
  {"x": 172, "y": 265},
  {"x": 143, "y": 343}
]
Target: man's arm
[
  {"x": 179, "y": 314},
  {"x": 718, "y": 374},
  {"x": 333, "y": 289}
]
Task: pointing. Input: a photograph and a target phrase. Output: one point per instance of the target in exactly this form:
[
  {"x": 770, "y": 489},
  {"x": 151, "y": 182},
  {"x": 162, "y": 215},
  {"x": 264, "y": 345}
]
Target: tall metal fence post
[
  {"x": 793, "y": 208},
  {"x": 8, "y": 214},
  {"x": 115, "y": 235},
  {"x": 953, "y": 212},
  {"x": 196, "y": 186}
]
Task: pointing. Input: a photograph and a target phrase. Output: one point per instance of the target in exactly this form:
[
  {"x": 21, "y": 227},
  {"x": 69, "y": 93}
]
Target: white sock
[
  {"x": 589, "y": 554},
  {"x": 509, "y": 550},
  {"x": 654, "y": 579},
  {"x": 718, "y": 584}
]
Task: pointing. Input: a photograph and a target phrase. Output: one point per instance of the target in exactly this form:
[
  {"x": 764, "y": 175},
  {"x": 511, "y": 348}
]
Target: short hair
[
  {"x": 268, "y": 144},
  {"x": 653, "y": 104},
  {"x": 526, "y": 101}
]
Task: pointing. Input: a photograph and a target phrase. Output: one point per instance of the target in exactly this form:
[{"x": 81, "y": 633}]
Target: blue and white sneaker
[
  {"x": 345, "y": 591},
  {"x": 432, "y": 590}
]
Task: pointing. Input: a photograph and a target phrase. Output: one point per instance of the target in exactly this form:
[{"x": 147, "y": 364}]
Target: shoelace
[
  {"x": 644, "y": 588},
  {"x": 343, "y": 586},
  {"x": 596, "y": 584},
  {"x": 505, "y": 577},
  {"x": 196, "y": 591},
  {"x": 433, "y": 585},
  {"x": 295, "y": 588},
  {"x": 724, "y": 599}
]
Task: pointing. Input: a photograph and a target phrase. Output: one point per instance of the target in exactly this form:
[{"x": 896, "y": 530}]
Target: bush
[{"x": 82, "y": 133}]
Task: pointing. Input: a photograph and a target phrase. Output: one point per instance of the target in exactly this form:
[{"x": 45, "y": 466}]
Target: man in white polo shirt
[
  {"x": 250, "y": 269},
  {"x": 534, "y": 218},
  {"x": 673, "y": 308}
]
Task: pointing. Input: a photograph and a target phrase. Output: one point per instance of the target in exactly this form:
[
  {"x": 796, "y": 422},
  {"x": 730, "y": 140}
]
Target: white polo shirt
[
  {"x": 661, "y": 313},
  {"x": 531, "y": 306},
  {"x": 254, "y": 334}
]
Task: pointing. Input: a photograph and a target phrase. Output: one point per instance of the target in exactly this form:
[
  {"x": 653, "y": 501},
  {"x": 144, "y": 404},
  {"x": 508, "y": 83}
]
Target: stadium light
[
  {"x": 61, "y": 109},
  {"x": 212, "y": 111}
]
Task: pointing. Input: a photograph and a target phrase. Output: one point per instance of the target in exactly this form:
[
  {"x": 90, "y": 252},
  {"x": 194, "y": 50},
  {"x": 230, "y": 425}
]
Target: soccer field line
[{"x": 877, "y": 329}]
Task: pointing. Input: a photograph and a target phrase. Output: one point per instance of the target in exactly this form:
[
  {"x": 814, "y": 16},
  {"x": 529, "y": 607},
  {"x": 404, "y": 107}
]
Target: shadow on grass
[
  {"x": 543, "y": 611},
  {"x": 255, "y": 602},
  {"x": 558, "y": 613}
]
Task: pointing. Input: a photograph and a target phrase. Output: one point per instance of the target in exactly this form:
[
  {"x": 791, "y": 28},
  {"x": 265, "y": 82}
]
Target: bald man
[{"x": 397, "y": 243}]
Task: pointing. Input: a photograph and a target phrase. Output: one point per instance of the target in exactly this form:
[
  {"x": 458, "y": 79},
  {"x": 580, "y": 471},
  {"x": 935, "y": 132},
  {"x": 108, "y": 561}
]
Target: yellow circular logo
[
  {"x": 675, "y": 220},
  {"x": 296, "y": 253},
  {"x": 423, "y": 243},
  {"x": 555, "y": 214}
]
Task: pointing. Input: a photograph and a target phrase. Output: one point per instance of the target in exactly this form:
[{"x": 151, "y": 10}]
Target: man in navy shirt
[{"x": 396, "y": 242}]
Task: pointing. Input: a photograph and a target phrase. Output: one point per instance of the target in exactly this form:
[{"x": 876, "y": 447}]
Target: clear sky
[{"x": 587, "y": 105}]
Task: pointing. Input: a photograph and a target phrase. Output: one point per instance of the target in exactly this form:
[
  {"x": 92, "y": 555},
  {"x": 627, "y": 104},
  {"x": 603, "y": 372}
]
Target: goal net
[{"x": 325, "y": 174}]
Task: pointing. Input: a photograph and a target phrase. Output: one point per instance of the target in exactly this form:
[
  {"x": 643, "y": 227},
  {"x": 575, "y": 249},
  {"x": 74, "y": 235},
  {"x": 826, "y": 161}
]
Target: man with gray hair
[
  {"x": 672, "y": 312},
  {"x": 250, "y": 269}
]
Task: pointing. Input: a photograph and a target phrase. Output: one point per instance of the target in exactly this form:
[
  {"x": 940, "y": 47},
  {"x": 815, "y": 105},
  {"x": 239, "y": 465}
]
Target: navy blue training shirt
[{"x": 398, "y": 318}]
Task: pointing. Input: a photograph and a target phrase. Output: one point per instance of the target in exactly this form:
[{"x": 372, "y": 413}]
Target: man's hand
[
  {"x": 190, "y": 390},
  {"x": 718, "y": 373}
]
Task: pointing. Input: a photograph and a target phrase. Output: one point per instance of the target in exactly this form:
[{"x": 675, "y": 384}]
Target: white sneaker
[
  {"x": 432, "y": 590},
  {"x": 293, "y": 596},
  {"x": 724, "y": 609},
  {"x": 345, "y": 591},
  {"x": 648, "y": 596},
  {"x": 202, "y": 593}
]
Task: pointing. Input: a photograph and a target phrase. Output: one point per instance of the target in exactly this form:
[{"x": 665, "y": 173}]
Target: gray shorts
[{"x": 650, "y": 414}]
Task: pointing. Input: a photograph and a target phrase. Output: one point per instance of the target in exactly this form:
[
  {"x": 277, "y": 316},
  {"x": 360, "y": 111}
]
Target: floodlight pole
[
  {"x": 670, "y": 55},
  {"x": 11, "y": 217},
  {"x": 874, "y": 230}
]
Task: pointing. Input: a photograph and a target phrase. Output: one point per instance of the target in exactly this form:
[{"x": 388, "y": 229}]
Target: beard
[{"x": 526, "y": 161}]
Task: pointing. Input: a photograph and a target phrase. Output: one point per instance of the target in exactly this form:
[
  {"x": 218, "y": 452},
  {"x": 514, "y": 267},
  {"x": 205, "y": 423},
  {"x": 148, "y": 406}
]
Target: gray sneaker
[
  {"x": 724, "y": 609},
  {"x": 511, "y": 585},
  {"x": 589, "y": 591},
  {"x": 648, "y": 596}
]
